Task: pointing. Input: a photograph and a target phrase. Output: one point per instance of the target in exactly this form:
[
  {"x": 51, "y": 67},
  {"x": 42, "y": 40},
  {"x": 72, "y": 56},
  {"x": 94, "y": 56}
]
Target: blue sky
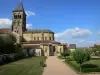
[{"x": 73, "y": 21}]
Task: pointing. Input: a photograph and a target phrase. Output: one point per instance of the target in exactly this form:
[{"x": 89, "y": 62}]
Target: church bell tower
[{"x": 19, "y": 20}]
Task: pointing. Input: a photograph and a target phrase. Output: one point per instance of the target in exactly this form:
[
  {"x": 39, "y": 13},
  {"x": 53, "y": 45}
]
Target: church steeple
[
  {"x": 19, "y": 7},
  {"x": 19, "y": 19}
]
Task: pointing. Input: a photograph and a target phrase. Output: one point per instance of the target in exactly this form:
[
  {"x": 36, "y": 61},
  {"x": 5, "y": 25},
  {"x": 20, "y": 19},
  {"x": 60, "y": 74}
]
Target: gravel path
[{"x": 56, "y": 67}]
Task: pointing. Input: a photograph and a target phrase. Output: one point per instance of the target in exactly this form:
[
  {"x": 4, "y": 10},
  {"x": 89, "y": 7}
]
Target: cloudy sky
[{"x": 73, "y": 21}]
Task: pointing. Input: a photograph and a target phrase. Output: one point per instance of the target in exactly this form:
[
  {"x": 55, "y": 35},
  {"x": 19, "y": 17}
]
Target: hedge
[{"x": 86, "y": 69}]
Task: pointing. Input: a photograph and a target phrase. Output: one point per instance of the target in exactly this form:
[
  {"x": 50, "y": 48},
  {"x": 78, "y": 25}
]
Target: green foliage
[
  {"x": 18, "y": 50},
  {"x": 66, "y": 53},
  {"x": 8, "y": 45},
  {"x": 1, "y": 44},
  {"x": 86, "y": 68},
  {"x": 80, "y": 56},
  {"x": 89, "y": 65},
  {"x": 96, "y": 50}
]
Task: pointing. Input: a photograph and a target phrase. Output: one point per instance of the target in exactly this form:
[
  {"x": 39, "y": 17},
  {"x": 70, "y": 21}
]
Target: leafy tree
[
  {"x": 1, "y": 44},
  {"x": 81, "y": 56},
  {"x": 8, "y": 45},
  {"x": 96, "y": 50}
]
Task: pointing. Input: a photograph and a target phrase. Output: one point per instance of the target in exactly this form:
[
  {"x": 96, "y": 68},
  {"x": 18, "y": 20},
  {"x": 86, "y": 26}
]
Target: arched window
[
  {"x": 19, "y": 16},
  {"x": 45, "y": 38},
  {"x": 34, "y": 38},
  {"x": 37, "y": 38},
  {"x": 49, "y": 38},
  {"x": 15, "y": 16}
]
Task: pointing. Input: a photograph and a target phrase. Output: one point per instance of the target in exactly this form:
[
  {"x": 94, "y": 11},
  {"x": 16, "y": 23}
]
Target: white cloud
[
  {"x": 5, "y": 22},
  {"x": 94, "y": 42},
  {"x": 74, "y": 33},
  {"x": 29, "y": 26},
  {"x": 30, "y": 13}
]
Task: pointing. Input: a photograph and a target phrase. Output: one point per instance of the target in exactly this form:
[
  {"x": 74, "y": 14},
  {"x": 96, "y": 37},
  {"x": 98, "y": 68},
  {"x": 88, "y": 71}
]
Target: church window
[
  {"x": 50, "y": 38},
  {"x": 37, "y": 38},
  {"x": 34, "y": 38},
  {"x": 19, "y": 16},
  {"x": 45, "y": 38},
  {"x": 15, "y": 16},
  {"x": 60, "y": 49}
]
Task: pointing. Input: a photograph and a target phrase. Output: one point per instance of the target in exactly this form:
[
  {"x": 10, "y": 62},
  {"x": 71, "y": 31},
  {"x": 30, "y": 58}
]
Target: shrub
[
  {"x": 1, "y": 60},
  {"x": 42, "y": 63},
  {"x": 89, "y": 66},
  {"x": 91, "y": 70},
  {"x": 80, "y": 56},
  {"x": 66, "y": 53}
]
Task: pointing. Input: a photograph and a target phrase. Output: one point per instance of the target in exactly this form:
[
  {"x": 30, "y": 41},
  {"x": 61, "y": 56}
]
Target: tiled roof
[
  {"x": 32, "y": 46},
  {"x": 19, "y": 7},
  {"x": 5, "y": 30},
  {"x": 38, "y": 31},
  {"x": 45, "y": 42}
]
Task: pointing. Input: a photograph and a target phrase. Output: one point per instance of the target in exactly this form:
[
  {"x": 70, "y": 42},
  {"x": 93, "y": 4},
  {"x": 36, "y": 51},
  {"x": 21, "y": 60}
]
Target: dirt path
[{"x": 56, "y": 67}]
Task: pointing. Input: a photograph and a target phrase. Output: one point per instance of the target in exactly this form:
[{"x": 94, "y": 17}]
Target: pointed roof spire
[{"x": 19, "y": 7}]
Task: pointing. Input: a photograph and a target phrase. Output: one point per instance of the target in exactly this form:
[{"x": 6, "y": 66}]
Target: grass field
[{"x": 29, "y": 66}]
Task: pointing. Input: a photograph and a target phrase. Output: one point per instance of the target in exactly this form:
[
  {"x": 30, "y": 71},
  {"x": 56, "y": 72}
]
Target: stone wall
[{"x": 38, "y": 36}]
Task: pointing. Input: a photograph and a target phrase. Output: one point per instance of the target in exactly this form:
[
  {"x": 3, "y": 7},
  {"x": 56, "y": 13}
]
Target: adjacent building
[{"x": 72, "y": 47}]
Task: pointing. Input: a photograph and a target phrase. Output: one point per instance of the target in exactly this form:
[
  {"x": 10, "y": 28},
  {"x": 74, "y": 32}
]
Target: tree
[
  {"x": 96, "y": 50},
  {"x": 8, "y": 45},
  {"x": 1, "y": 44},
  {"x": 81, "y": 56}
]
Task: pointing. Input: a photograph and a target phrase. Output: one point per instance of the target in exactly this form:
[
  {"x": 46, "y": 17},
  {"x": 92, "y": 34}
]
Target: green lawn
[{"x": 29, "y": 66}]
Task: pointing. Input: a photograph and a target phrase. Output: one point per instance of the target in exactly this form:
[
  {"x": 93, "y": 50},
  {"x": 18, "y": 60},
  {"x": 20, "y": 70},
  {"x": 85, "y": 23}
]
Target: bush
[
  {"x": 91, "y": 70},
  {"x": 66, "y": 53},
  {"x": 1, "y": 60},
  {"x": 80, "y": 56},
  {"x": 89, "y": 66},
  {"x": 42, "y": 63}
]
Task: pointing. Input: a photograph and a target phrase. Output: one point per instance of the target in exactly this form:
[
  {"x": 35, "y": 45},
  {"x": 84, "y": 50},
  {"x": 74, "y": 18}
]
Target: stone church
[{"x": 40, "y": 41}]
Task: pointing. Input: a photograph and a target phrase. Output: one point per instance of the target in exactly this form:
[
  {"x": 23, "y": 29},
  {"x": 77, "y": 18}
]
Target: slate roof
[
  {"x": 5, "y": 30},
  {"x": 19, "y": 7},
  {"x": 39, "y": 31}
]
